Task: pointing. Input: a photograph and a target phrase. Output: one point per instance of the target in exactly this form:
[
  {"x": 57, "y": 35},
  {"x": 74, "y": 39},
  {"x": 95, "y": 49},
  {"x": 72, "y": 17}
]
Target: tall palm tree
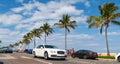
[
  {"x": 20, "y": 45},
  {"x": 26, "y": 41},
  {"x": 36, "y": 33},
  {"x": 67, "y": 24},
  {"x": 46, "y": 29},
  {"x": 16, "y": 44},
  {"x": 11, "y": 46},
  {"x": 27, "y": 38},
  {"x": 108, "y": 15}
]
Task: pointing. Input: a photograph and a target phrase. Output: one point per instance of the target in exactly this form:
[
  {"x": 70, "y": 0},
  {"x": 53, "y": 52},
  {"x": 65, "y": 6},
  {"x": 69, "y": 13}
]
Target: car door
[
  {"x": 37, "y": 53},
  {"x": 80, "y": 53},
  {"x": 83, "y": 53},
  {"x": 40, "y": 51}
]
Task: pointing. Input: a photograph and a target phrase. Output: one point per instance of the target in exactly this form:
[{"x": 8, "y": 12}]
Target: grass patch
[{"x": 107, "y": 57}]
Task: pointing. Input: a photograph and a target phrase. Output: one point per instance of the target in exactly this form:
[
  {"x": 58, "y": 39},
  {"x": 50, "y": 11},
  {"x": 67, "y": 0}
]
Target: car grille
[
  {"x": 57, "y": 56},
  {"x": 60, "y": 52}
]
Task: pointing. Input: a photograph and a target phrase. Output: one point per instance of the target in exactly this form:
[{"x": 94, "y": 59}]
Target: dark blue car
[
  {"x": 28, "y": 51},
  {"x": 8, "y": 50}
]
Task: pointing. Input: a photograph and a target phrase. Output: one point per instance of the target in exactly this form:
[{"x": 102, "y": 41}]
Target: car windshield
[{"x": 50, "y": 46}]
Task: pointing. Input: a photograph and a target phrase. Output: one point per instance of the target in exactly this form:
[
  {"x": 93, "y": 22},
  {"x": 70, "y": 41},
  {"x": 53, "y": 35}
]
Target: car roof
[
  {"x": 45, "y": 44},
  {"x": 86, "y": 50}
]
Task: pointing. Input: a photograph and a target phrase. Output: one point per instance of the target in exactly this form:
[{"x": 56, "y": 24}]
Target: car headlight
[{"x": 52, "y": 51}]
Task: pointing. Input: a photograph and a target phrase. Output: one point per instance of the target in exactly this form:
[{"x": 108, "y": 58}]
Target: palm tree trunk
[
  {"x": 39, "y": 38},
  {"x": 34, "y": 43},
  {"x": 45, "y": 38},
  {"x": 65, "y": 39},
  {"x": 28, "y": 46},
  {"x": 107, "y": 46}
]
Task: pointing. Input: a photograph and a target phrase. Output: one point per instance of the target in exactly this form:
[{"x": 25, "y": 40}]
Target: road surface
[{"x": 23, "y": 58}]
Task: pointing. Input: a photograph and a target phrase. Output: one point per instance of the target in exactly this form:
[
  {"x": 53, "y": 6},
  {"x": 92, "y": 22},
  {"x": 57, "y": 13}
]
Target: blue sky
[{"x": 18, "y": 17}]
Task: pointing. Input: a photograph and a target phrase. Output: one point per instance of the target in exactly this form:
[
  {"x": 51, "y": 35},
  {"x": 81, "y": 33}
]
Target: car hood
[{"x": 52, "y": 49}]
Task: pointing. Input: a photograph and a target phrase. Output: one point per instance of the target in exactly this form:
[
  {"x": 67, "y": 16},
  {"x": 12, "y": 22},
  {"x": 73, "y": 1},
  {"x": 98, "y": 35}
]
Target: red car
[{"x": 86, "y": 54}]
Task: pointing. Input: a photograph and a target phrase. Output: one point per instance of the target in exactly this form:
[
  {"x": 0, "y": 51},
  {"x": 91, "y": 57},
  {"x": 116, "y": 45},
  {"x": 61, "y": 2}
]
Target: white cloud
[
  {"x": 87, "y": 4},
  {"x": 114, "y": 33},
  {"x": 68, "y": 10},
  {"x": 81, "y": 18},
  {"x": 73, "y": 36},
  {"x": 16, "y": 10},
  {"x": 92, "y": 44},
  {"x": 8, "y": 36},
  {"x": 4, "y": 31},
  {"x": 10, "y": 19},
  {"x": 81, "y": 36},
  {"x": 74, "y": 1},
  {"x": 34, "y": 14},
  {"x": 14, "y": 33},
  {"x": 52, "y": 10}
]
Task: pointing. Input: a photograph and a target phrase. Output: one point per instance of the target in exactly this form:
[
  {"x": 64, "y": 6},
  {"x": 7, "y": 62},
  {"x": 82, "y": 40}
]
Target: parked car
[
  {"x": 49, "y": 51},
  {"x": 85, "y": 54},
  {"x": 8, "y": 50},
  {"x": 1, "y": 50},
  {"x": 28, "y": 51},
  {"x": 117, "y": 57}
]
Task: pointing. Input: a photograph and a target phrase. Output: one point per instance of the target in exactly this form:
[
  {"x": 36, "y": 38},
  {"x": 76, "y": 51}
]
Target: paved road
[
  {"x": 22, "y": 58},
  {"x": 18, "y": 58}
]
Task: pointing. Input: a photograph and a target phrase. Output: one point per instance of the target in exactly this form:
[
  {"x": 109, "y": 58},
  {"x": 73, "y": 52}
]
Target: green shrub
[{"x": 107, "y": 57}]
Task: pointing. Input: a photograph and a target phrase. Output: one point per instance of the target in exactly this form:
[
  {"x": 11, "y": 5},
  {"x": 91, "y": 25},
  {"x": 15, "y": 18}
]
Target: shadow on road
[
  {"x": 53, "y": 59},
  {"x": 1, "y": 63}
]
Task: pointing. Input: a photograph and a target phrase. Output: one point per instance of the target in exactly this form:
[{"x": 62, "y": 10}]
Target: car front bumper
[{"x": 57, "y": 56}]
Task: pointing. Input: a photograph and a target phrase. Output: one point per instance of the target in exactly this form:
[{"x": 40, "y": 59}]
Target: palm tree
[
  {"x": 108, "y": 15},
  {"x": 16, "y": 44},
  {"x": 27, "y": 38},
  {"x": 20, "y": 46},
  {"x": 46, "y": 29},
  {"x": 67, "y": 24},
  {"x": 26, "y": 41},
  {"x": 11, "y": 46},
  {"x": 36, "y": 33}
]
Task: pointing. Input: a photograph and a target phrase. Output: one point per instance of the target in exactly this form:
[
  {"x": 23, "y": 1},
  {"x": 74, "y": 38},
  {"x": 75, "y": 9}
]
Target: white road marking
[
  {"x": 8, "y": 57},
  {"x": 36, "y": 59}
]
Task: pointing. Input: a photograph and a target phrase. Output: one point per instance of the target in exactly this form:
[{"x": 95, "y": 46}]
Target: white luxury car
[
  {"x": 117, "y": 57},
  {"x": 49, "y": 51}
]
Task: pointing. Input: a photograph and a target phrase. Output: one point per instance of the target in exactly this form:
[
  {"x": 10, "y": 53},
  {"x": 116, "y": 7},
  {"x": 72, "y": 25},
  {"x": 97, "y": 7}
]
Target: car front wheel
[
  {"x": 46, "y": 55},
  {"x": 73, "y": 56},
  {"x": 34, "y": 55},
  {"x": 85, "y": 57}
]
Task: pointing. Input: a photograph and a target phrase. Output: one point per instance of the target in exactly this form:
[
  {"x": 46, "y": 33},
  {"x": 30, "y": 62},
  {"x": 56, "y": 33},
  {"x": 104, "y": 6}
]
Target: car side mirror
[{"x": 41, "y": 47}]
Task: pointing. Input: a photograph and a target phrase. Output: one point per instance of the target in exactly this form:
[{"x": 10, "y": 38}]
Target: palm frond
[
  {"x": 116, "y": 22},
  {"x": 73, "y": 23},
  {"x": 59, "y": 25},
  {"x": 114, "y": 16},
  {"x": 92, "y": 18},
  {"x": 91, "y": 25}
]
